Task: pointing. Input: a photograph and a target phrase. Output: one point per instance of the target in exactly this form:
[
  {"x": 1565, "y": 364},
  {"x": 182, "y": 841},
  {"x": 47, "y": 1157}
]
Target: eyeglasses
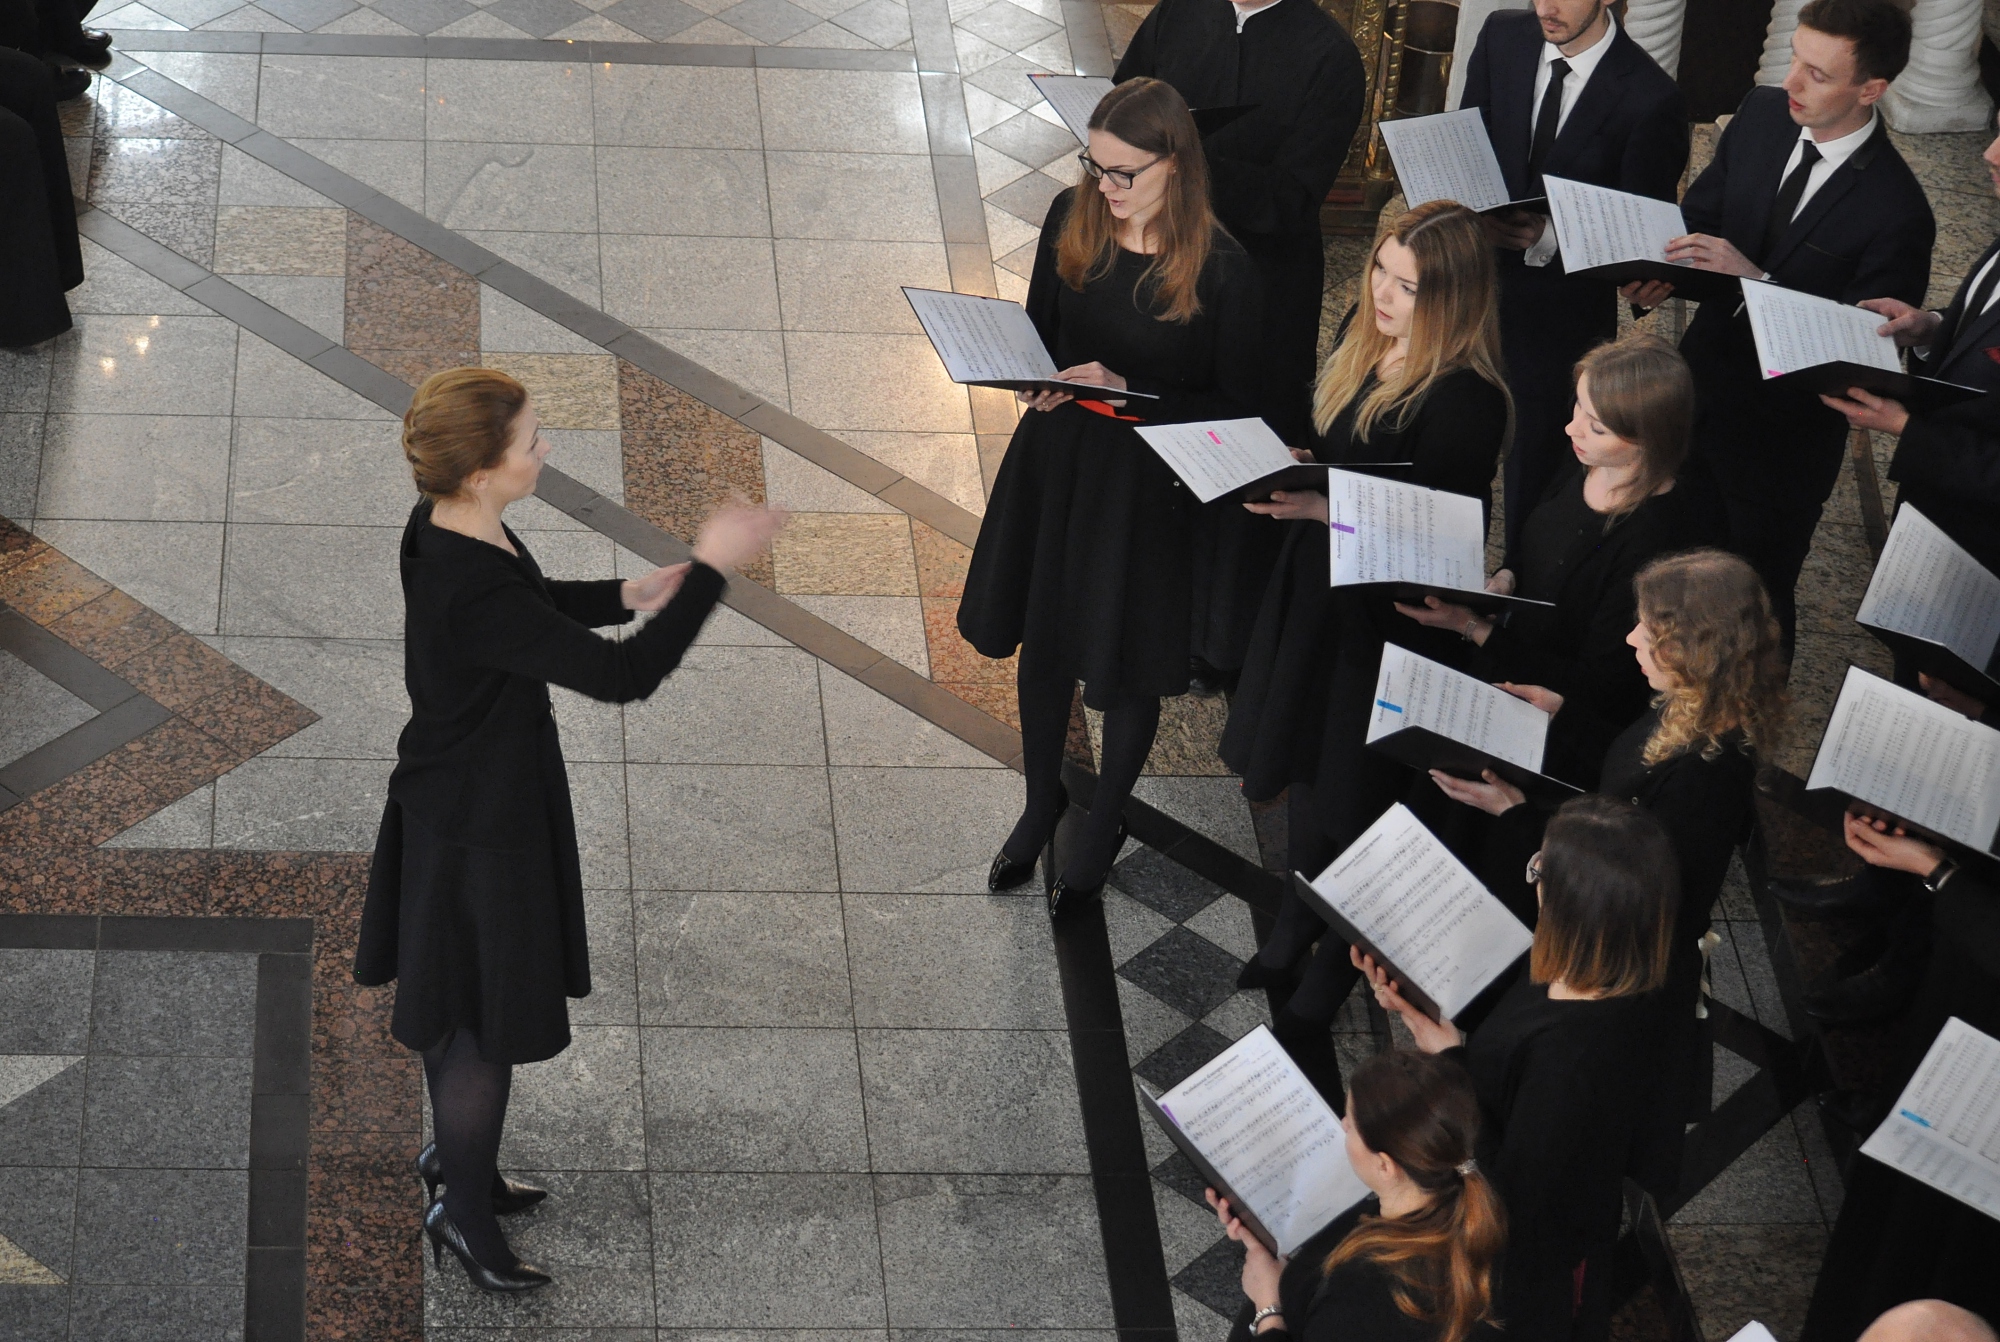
[
  {"x": 1534, "y": 872},
  {"x": 1121, "y": 178}
]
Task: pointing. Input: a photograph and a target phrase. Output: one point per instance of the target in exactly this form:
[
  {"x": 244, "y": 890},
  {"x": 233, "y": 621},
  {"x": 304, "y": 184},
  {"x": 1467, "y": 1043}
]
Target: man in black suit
[
  {"x": 1565, "y": 91},
  {"x": 1806, "y": 191}
]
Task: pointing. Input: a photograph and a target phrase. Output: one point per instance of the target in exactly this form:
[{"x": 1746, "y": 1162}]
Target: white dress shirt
[
  {"x": 1832, "y": 153},
  {"x": 1581, "y": 67},
  {"x": 1245, "y": 13}
]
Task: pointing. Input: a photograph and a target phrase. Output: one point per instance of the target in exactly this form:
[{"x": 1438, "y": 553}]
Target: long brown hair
[
  {"x": 1610, "y": 890},
  {"x": 458, "y": 424},
  {"x": 1151, "y": 117},
  {"x": 1421, "y": 1112},
  {"x": 1456, "y": 323},
  {"x": 1713, "y": 631},
  {"x": 1642, "y": 391}
]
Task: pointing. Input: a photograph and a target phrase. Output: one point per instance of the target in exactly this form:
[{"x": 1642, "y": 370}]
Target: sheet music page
[
  {"x": 1753, "y": 1331},
  {"x": 1405, "y": 891},
  {"x": 1927, "y": 586},
  {"x": 1896, "y": 749},
  {"x": 1945, "y": 1128},
  {"x": 1796, "y": 330},
  {"x": 981, "y": 339},
  {"x": 1390, "y": 531},
  {"x": 1217, "y": 455},
  {"x": 1073, "y": 98},
  {"x": 1596, "y": 226},
  {"x": 1446, "y": 157},
  {"x": 1414, "y": 691},
  {"x": 1268, "y": 1133}
]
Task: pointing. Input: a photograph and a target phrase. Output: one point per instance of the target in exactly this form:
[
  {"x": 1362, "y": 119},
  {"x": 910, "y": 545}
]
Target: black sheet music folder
[
  {"x": 1312, "y": 475},
  {"x": 1827, "y": 806},
  {"x": 1486, "y": 603},
  {"x": 1702, "y": 286},
  {"x": 1323, "y": 906},
  {"x": 1422, "y": 748},
  {"x": 1940, "y": 662},
  {"x": 1532, "y": 205},
  {"x": 1920, "y": 394}
]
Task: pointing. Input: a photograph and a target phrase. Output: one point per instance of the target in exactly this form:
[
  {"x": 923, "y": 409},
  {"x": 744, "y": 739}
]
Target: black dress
[
  {"x": 1310, "y": 674},
  {"x": 40, "y": 257},
  {"x": 1897, "y": 1239},
  {"x": 1086, "y": 549},
  {"x": 475, "y": 896},
  {"x": 1564, "y": 1090}
]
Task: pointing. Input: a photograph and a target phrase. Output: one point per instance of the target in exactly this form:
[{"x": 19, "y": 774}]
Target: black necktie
[
  {"x": 1787, "y": 203},
  {"x": 1547, "y": 124}
]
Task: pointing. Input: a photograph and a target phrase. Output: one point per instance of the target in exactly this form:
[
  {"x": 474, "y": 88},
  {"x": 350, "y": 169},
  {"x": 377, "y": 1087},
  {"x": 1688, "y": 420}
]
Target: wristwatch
[
  {"x": 1263, "y": 1314},
  {"x": 1941, "y": 873}
]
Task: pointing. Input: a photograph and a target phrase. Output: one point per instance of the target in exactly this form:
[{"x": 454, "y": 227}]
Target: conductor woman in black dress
[
  {"x": 1416, "y": 1261},
  {"x": 1084, "y": 559},
  {"x": 475, "y": 896},
  {"x": 1567, "y": 1064}
]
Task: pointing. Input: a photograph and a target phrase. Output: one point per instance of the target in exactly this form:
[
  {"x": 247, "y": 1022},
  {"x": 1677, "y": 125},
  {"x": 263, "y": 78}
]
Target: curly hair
[{"x": 1713, "y": 631}]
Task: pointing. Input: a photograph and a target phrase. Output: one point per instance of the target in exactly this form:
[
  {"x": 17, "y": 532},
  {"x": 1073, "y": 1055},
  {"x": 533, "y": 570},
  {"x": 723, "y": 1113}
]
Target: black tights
[
  {"x": 468, "y": 1109},
  {"x": 1045, "y": 695}
]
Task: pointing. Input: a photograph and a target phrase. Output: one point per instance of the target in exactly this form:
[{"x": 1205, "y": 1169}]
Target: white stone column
[
  {"x": 1471, "y": 18},
  {"x": 1940, "y": 89},
  {"x": 1656, "y": 26},
  {"x": 1777, "y": 57}
]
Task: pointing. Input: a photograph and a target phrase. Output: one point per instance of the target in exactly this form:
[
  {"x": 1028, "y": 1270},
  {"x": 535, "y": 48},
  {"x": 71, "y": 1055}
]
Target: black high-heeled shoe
[
  {"x": 509, "y": 1198},
  {"x": 445, "y": 1234},
  {"x": 1006, "y": 873},
  {"x": 1257, "y": 974},
  {"x": 1064, "y": 897}
]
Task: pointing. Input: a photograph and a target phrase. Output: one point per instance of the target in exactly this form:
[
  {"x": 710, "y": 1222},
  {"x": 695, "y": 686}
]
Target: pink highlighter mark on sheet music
[{"x": 1212, "y": 438}]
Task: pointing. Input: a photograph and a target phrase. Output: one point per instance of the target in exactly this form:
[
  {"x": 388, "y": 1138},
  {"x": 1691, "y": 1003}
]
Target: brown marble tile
[
  {"x": 845, "y": 554},
  {"x": 362, "y": 1093},
  {"x": 112, "y": 628},
  {"x": 44, "y": 585},
  {"x": 249, "y": 715},
  {"x": 364, "y": 1271},
  {"x": 941, "y": 561},
  {"x": 953, "y": 660},
  {"x": 273, "y": 240},
  {"x": 570, "y": 391},
  {"x": 683, "y": 457},
  {"x": 326, "y": 886},
  {"x": 179, "y": 671},
  {"x": 86, "y": 808},
  {"x": 408, "y": 312},
  {"x": 1737, "y": 1273},
  {"x": 15, "y": 544},
  {"x": 174, "y": 759}
]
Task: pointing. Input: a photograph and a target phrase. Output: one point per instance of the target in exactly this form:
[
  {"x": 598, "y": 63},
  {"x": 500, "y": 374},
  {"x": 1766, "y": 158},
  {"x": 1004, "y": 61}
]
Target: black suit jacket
[
  {"x": 1948, "y": 463},
  {"x": 1866, "y": 233}
]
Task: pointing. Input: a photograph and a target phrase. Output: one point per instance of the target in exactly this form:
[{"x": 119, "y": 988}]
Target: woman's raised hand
[
  {"x": 737, "y": 533},
  {"x": 1431, "y": 1036},
  {"x": 654, "y": 590},
  {"x": 1287, "y": 504},
  {"x": 1495, "y": 796}
]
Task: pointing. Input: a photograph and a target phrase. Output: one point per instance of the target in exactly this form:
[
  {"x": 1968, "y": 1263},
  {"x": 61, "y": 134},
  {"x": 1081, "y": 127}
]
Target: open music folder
[
  {"x": 992, "y": 342},
  {"x": 1402, "y": 896},
  {"x": 1449, "y": 156},
  {"x": 1415, "y": 541},
  {"x": 1075, "y": 97},
  {"x": 1261, "y": 1136},
  {"x": 1945, "y": 1128},
  {"x": 1935, "y": 604},
  {"x": 1430, "y": 716},
  {"x": 1828, "y": 347},
  {"x": 1216, "y": 456},
  {"x": 1621, "y": 237},
  {"x": 1908, "y": 759}
]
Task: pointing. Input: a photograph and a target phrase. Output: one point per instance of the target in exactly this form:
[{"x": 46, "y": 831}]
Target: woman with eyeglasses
[
  {"x": 1084, "y": 562},
  {"x": 1566, "y": 1064}
]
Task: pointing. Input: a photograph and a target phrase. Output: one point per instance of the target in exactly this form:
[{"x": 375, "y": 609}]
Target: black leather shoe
[
  {"x": 92, "y": 48},
  {"x": 1875, "y": 994},
  {"x": 445, "y": 1234},
  {"x": 1848, "y": 895},
  {"x": 1006, "y": 873},
  {"x": 71, "y": 84},
  {"x": 1257, "y": 974},
  {"x": 1065, "y": 898},
  {"x": 1856, "y": 1110},
  {"x": 509, "y": 1198}
]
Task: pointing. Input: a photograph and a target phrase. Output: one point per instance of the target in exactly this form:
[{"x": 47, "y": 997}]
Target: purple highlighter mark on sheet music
[{"x": 1342, "y": 526}]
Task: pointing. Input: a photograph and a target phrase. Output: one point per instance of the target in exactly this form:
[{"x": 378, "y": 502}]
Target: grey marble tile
[
  {"x": 878, "y": 197},
  {"x": 921, "y": 829},
  {"x": 39, "y": 1124},
  {"x": 317, "y": 301},
  {"x": 1210, "y": 806},
  {"x": 1766, "y": 1185},
  {"x": 767, "y": 20},
  {"x": 148, "y": 365},
  {"x": 539, "y": 187},
  {"x": 658, "y": 20},
  {"x": 687, "y": 191},
  {"x": 160, "y": 1113},
  {"x": 741, "y": 959},
  {"x": 1149, "y": 1023},
  {"x": 160, "y": 468},
  {"x": 38, "y": 709},
  {"x": 537, "y": 101},
  {"x": 251, "y": 181},
  {"x": 567, "y": 260},
  {"x": 754, "y": 1100},
  {"x": 187, "y": 823},
  {"x": 597, "y": 795},
  {"x": 687, "y": 106},
  {"x": 592, "y": 1234},
  {"x": 864, "y": 111},
  {"x": 34, "y": 1311},
  {"x": 835, "y": 384},
  {"x": 272, "y": 384},
  {"x": 155, "y": 172},
  {"x": 288, "y": 805},
  {"x": 170, "y": 566},
  {"x": 38, "y": 1207},
  {"x": 995, "y": 1251},
  {"x": 355, "y": 685},
  {"x": 300, "y": 581},
  {"x": 507, "y": 325},
  {"x": 20, "y": 465},
  {"x": 170, "y": 1227},
  {"x": 114, "y": 286},
  {"x": 348, "y": 97},
  {"x": 732, "y": 706},
  {"x": 580, "y": 1110},
  {"x": 830, "y": 285},
  {"x": 730, "y": 827},
  {"x": 883, "y": 22},
  {"x": 808, "y": 1239},
  {"x": 689, "y": 282},
  {"x": 179, "y": 1003},
  {"x": 952, "y": 962},
  {"x": 613, "y": 996},
  {"x": 1736, "y": 1273},
  {"x": 393, "y": 167},
  {"x": 867, "y": 728},
  {"x": 972, "y": 1102},
  {"x": 45, "y": 1000}
]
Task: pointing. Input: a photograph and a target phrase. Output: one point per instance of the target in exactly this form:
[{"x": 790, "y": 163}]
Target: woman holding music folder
[
  {"x": 1416, "y": 1261},
  {"x": 1566, "y": 1065},
  {"x": 1084, "y": 559},
  {"x": 1417, "y": 379}
]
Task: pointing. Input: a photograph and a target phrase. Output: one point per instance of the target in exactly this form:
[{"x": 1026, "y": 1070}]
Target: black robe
[
  {"x": 1087, "y": 546},
  {"x": 40, "y": 257},
  {"x": 475, "y": 896}
]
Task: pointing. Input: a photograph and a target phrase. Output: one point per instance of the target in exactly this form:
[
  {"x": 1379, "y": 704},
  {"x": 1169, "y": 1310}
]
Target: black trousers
[{"x": 40, "y": 257}]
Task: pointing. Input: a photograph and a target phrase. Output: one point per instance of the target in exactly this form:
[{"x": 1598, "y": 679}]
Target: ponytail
[{"x": 1420, "y": 1111}]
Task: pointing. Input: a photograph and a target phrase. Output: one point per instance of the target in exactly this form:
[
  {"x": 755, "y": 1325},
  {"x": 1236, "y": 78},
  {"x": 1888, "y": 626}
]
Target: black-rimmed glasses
[{"x": 1120, "y": 177}]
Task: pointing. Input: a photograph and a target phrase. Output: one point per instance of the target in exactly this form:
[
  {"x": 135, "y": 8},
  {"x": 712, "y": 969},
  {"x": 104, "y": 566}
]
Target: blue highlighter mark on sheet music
[
  {"x": 1384, "y": 703},
  {"x": 1917, "y": 1119}
]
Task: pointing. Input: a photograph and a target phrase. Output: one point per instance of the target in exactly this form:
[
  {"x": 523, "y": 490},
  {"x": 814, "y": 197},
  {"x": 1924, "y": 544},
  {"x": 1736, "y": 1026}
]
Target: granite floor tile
[
  {"x": 991, "y": 1251},
  {"x": 867, "y": 728},
  {"x": 312, "y": 582},
  {"x": 20, "y": 465},
  {"x": 155, "y": 171},
  {"x": 1766, "y": 1185},
  {"x": 845, "y": 554},
  {"x": 893, "y": 625},
  {"x": 730, "y": 827},
  {"x": 570, "y": 391},
  {"x": 592, "y": 1233},
  {"x": 280, "y": 240},
  {"x": 347, "y": 97},
  {"x": 179, "y": 1113},
  {"x": 921, "y": 829},
  {"x": 944, "y": 463},
  {"x": 1737, "y": 1273},
  {"x": 732, "y": 706},
  {"x": 395, "y": 167},
  {"x": 156, "y": 1312},
  {"x": 797, "y": 485},
  {"x": 319, "y": 471},
  {"x": 810, "y": 1238},
  {"x": 1149, "y": 1023},
  {"x": 580, "y": 1110},
  {"x": 566, "y": 260},
  {"x": 598, "y": 797},
  {"x": 691, "y": 282},
  {"x": 174, "y": 1003},
  {"x": 863, "y": 197},
  {"x": 1000, "y": 973},
  {"x": 507, "y": 325},
  {"x": 187, "y": 823},
  {"x": 754, "y": 1100},
  {"x": 613, "y": 996},
  {"x": 538, "y": 18},
  {"x": 114, "y": 286},
  {"x": 682, "y": 106},
  {"x": 836, "y": 384},
  {"x": 829, "y": 285},
  {"x": 972, "y": 1102},
  {"x": 318, "y": 301},
  {"x": 227, "y": 79},
  {"x": 591, "y": 731},
  {"x": 883, "y": 22},
  {"x": 171, "y": 1227},
  {"x": 355, "y": 685},
  {"x": 539, "y": 187},
  {"x": 170, "y": 566},
  {"x": 38, "y": 1207},
  {"x": 573, "y": 554},
  {"x": 662, "y": 20},
  {"x": 593, "y": 456},
  {"x": 147, "y": 365},
  {"x": 41, "y": 1109},
  {"x": 741, "y": 959},
  {"x": 301, "y": 805},
  {"x": 272, "y": 384},
  {"x": 753, "y": 360},
  {"x": 38, "y": 709},
  {"x": 1187, "y": 972},
  {"x": 684, "y": 191},
  {"x": 538, "y": 101},
  {"x": 854, "y": 111},
  {"x": 767, "y": 20}
]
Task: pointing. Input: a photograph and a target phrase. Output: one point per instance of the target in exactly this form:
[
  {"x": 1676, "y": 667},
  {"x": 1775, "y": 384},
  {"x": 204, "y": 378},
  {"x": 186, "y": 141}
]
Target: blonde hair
[
  {"x": 1641, "y": 390},
  {"x": 1713, "y": 631},
  {"x": 458, "y": 423},
  {"x": 1456, "y": 323},
  {"x": 1151, "y": 117}
]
